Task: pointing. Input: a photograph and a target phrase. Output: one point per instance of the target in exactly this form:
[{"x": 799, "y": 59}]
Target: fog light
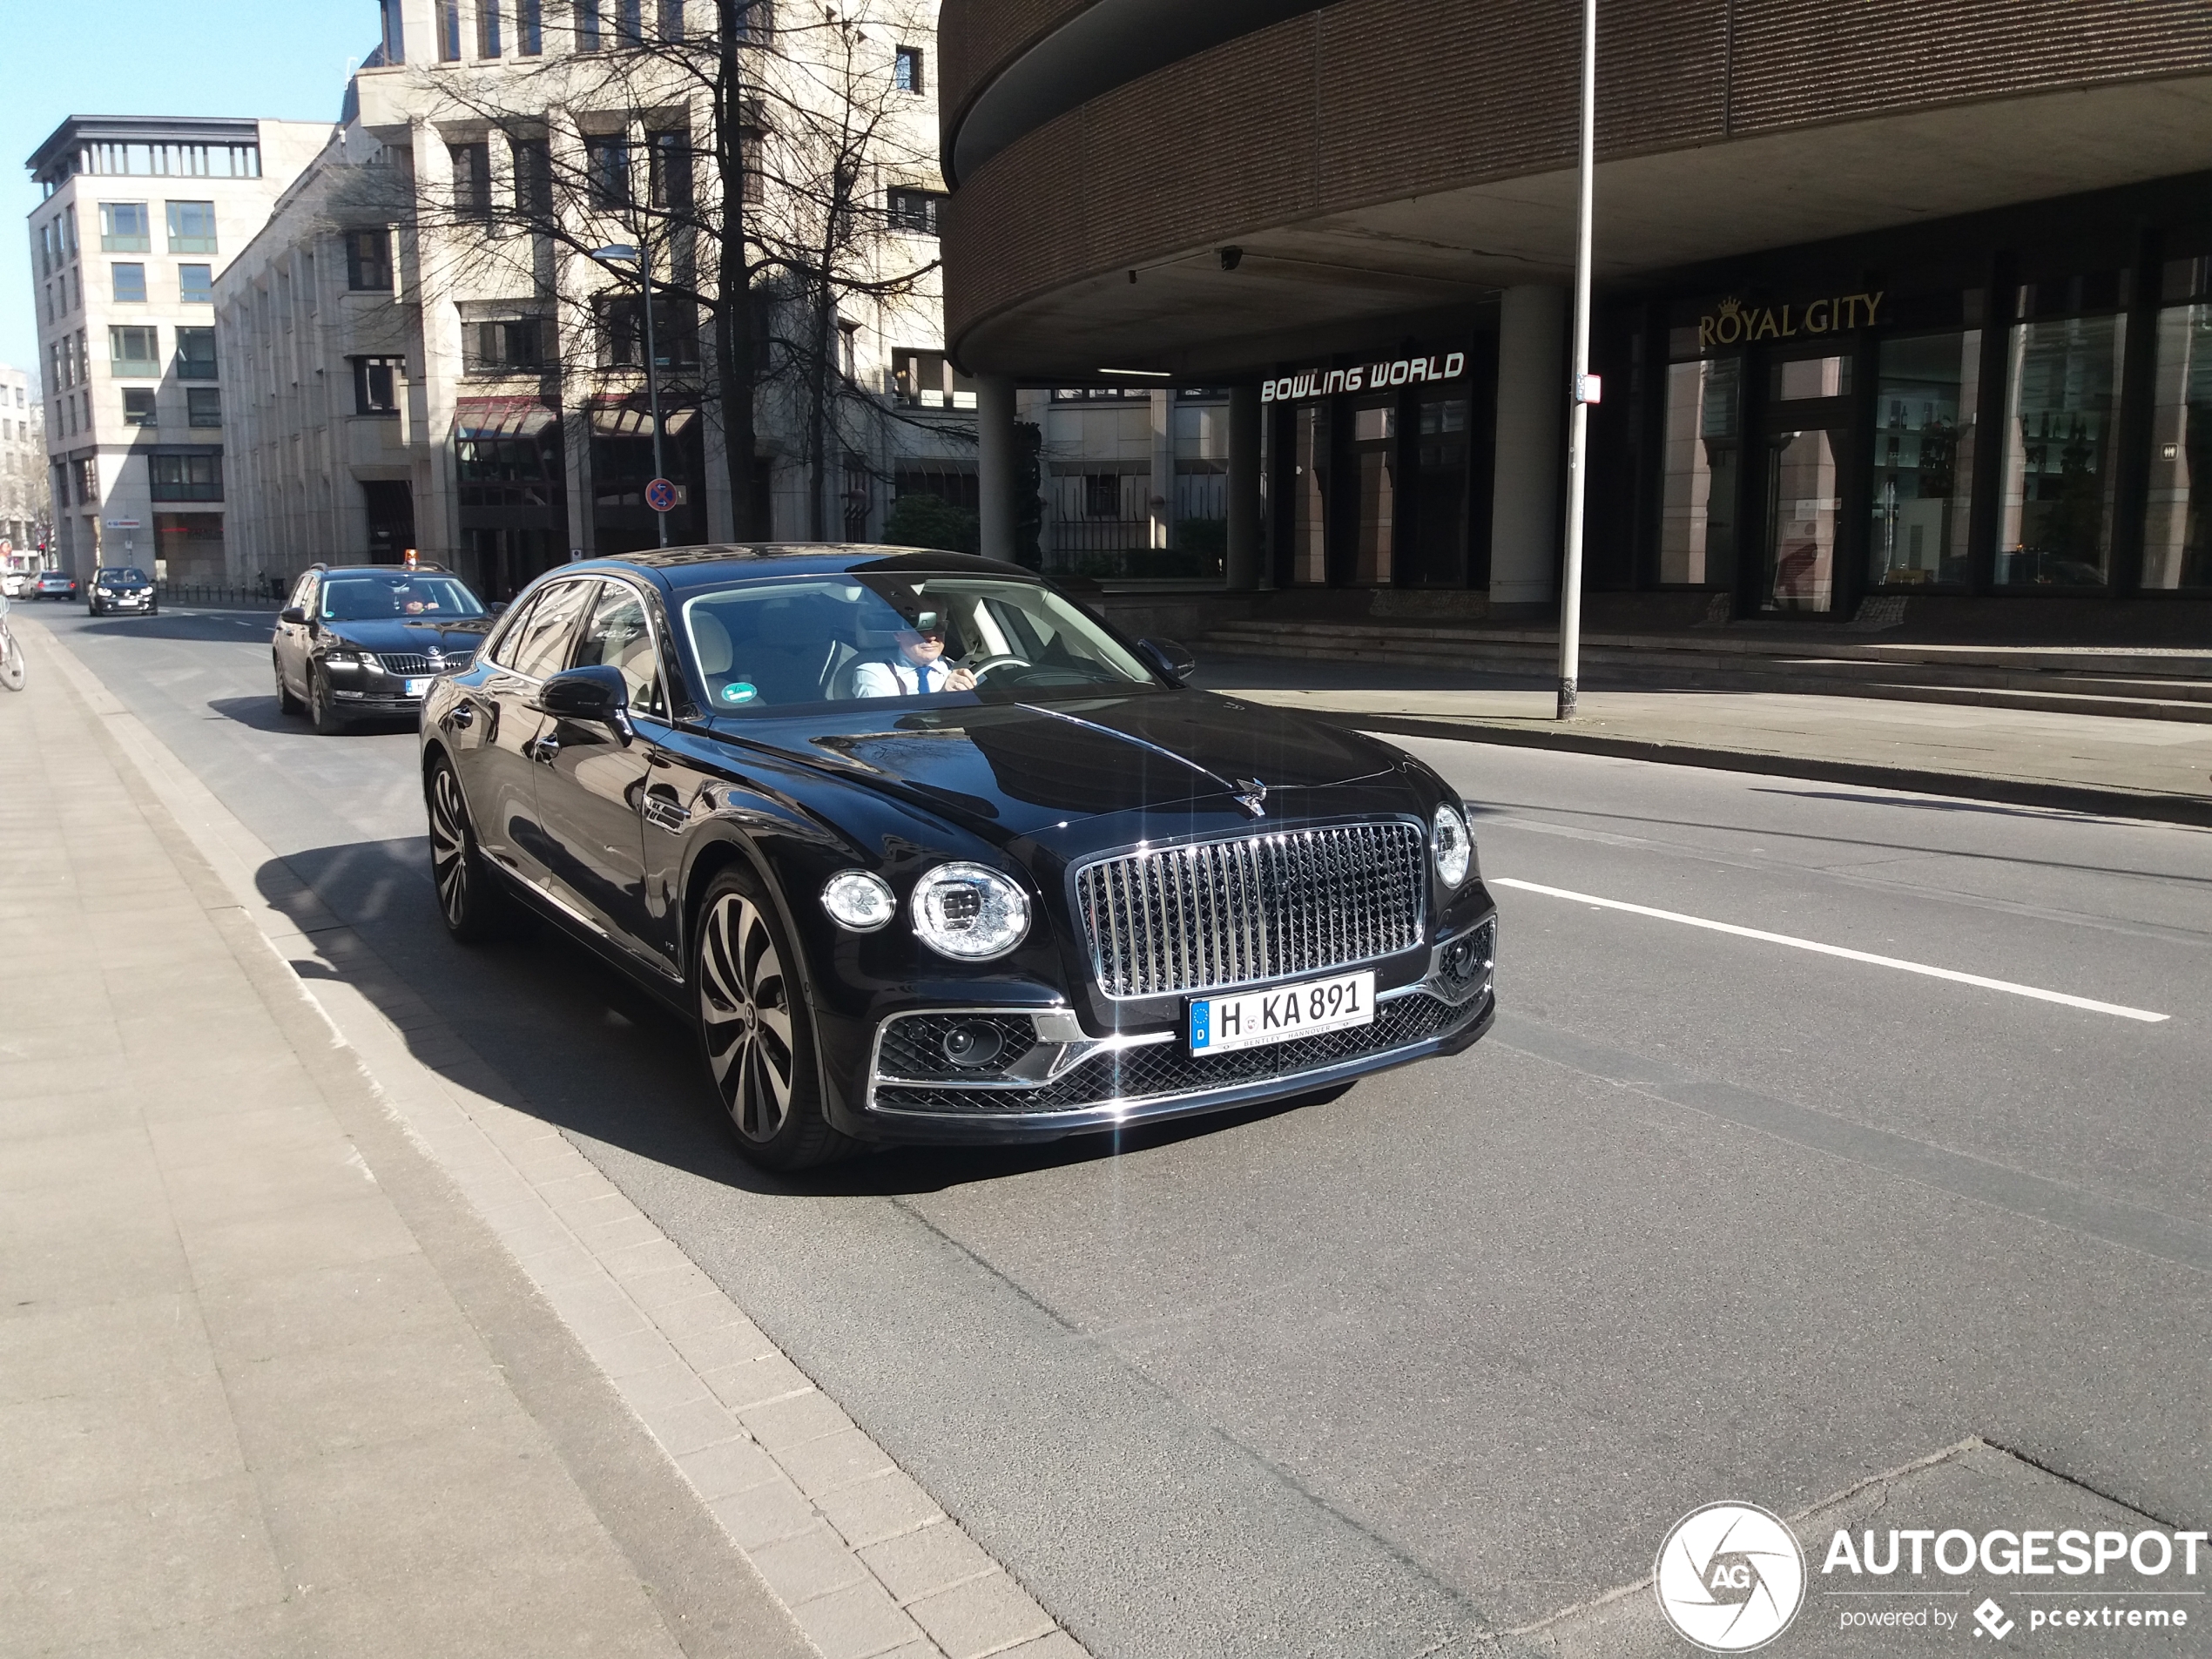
[
  {"x": 859, "y": 901},
  {"x": 973, "y": 1046}
]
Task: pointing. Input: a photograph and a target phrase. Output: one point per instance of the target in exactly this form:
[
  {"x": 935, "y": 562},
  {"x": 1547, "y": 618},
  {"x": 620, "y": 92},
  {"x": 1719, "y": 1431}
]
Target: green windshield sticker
[{"x": 740, "y": 692}]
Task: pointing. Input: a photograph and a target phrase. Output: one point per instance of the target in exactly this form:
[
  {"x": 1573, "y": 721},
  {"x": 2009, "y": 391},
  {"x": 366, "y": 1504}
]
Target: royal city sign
[
  {"x": 1736, "y": 323},
  {"x": 1326, "y": 382}
]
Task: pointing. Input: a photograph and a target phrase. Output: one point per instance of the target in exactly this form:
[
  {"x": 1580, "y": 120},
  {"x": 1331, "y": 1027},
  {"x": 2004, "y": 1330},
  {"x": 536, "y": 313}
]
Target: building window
[
  {"x": 488, "y": 42},
  {"x": 504, "y": 345},
  {"x": 622, "y": 332},
  {"x": 376, "y": 384},
  {"x": 2061, "y": 400},
  {"x": 906, "y": 69},
  {"x": 630, "y": 21},
  {"x": 755, "y": 22},
  {"x": 395, "y": 38},
  {"x": 203, "y": 406},
  {"x": 448, "y": 21},
  {"x": 1702, "y": 450},
  {"x": 186, "y": 477},
  {"x": 471, "y": 179},
  {"x": 125, "y": 229},
  {"x": 587, "y": 25},
  {"x": 530, "y": 28},
  {"x": 196, "y": 284},
  {"x": 915, "y": 210},
  {"x": 130, "y": 283},
  {"x": 607, "y": 166},
  {"x": 135, "y": 351},
  {"x": 1925, "y": 394},
  {"x": 532, "y": 182},
  {"x": 925, "y": 379},
  {"x": 368, "y": 261},
  {"x": 671, "y": 21},
  {"x": 1101, "y": 494},
  {"x": 195, "y": 354},
  {"x": 2177, "y": 534},
  {"x": 137, "y": 405},
  {"x": 668, "y": 159},
  {"x": 191, "y": 227}
]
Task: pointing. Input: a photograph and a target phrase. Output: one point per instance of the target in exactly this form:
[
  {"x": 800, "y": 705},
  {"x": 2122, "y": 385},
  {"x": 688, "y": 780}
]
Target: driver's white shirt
[{"x": 901, "y": 678}]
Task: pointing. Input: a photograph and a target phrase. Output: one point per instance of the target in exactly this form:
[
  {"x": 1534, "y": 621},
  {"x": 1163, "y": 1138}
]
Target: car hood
[
  {"x": 1018, "y": 768},
  {"x": 460, "y": 636}
]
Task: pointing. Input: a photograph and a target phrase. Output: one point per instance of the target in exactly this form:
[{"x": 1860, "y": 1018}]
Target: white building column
[
  {"x": 1243, "y": 562},
  {"x": 995, "y": 466},
  {"x": 1532, "y": 431}
]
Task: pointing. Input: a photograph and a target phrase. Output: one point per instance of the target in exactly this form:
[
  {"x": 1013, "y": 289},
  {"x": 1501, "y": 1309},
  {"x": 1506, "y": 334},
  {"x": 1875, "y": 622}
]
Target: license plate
[
  {"x": 415, "y": 687},
  {"x": 1254, "y": 1019}
]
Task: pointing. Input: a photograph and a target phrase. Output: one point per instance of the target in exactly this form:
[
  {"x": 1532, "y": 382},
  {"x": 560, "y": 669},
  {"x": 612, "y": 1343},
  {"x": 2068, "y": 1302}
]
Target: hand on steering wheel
[{"x": 986, "y": 664}]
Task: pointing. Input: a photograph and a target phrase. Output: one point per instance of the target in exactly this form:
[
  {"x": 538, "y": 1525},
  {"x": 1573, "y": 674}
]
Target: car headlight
[
  {"x": 969, "y": 912},
  {"x": 104, "y": 593},
  {"x": 858, "y": 901},
  {"x": 1453, "y": 847}
]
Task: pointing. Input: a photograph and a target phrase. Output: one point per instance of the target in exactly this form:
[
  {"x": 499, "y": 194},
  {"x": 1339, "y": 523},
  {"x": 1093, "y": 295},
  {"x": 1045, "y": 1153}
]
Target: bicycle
[{"x": 12, "y": 664}]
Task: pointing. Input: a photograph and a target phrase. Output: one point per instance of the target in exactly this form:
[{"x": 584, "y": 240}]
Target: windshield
[
  {"x": 769, "y": 645},
  {"x": 123, "y": 576},
  {"x": 370, "y": 598}
]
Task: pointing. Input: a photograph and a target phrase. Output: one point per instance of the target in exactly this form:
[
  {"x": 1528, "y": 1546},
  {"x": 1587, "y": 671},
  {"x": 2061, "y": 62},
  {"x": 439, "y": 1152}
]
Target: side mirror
[
  {"x": 594, "y": 693},
  {"x": 292, "y": 614},
  {"x": 1174, "y": 662}
]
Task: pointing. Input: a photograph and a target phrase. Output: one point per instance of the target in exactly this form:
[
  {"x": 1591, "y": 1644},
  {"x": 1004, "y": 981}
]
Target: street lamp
[
  {"x": 623, "y": 254},
  {"x": 1585, "y": 387}
]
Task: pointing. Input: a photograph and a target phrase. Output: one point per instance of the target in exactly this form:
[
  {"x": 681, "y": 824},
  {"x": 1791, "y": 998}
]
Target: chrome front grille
[
  {"x": 404, "y": 663},
  {"x": 1231, "y": 912}
]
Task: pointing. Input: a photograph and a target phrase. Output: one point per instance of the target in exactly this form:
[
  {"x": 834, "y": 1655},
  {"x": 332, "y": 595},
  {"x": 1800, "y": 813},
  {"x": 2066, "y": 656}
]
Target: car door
[
  {"x": 592, "y": 778},
  {"x": 292, "y": 638},
  {"x": 499, "y": 773}
]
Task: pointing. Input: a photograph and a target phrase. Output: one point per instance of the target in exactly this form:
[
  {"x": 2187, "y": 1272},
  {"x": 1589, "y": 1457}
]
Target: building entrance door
[{"x": 1808, "y": 435}]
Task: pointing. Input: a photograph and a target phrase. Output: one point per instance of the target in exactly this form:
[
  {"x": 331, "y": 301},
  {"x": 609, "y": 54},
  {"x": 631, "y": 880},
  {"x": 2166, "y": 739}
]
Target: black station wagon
[{"x": 928, "y": 851}]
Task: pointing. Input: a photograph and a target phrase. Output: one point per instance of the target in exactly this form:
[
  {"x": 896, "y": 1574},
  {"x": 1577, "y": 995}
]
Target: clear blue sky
[{"x": 287, "y": 59}]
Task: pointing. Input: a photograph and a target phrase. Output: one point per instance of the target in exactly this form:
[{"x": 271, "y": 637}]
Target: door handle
[
  {"x": 544, "y": 749},
  {"x": 464, "y": 714}
]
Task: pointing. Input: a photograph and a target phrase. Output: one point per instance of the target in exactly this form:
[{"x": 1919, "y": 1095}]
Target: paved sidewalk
[
  {"x": 2157, "y": 769},
  {"x": 256, "y": 1390}
]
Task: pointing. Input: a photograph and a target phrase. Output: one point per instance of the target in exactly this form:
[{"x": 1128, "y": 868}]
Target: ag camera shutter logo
[{"x": 1730, "y": 1577}]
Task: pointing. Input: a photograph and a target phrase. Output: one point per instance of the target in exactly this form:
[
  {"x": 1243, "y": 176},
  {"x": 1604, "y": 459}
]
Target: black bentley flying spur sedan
[{"x": 927, "y": 851}]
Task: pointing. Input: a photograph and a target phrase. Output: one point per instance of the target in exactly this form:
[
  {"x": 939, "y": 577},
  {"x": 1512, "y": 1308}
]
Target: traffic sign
[{"x": 660, "y": 495}]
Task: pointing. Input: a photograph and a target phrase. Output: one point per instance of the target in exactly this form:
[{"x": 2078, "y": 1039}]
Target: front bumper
[{"x": 1099, "y": 1083}]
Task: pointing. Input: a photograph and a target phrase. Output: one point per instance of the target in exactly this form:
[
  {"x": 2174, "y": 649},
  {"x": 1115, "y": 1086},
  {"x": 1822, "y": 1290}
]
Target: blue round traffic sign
[{"x": 660, "y": 495}]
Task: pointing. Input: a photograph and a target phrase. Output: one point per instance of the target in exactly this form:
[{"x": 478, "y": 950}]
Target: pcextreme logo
[{"x": 1730, "y": 1577}]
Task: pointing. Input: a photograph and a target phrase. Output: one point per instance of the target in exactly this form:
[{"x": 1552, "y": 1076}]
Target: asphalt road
[{"x": 1708, "y": 1216}]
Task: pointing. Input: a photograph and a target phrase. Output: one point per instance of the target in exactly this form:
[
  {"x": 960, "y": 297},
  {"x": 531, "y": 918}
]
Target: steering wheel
[{"x": 991, "y": 662}]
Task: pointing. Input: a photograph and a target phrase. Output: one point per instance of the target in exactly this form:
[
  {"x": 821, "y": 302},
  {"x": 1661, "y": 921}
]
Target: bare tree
[{"x": 749, "y": 157}]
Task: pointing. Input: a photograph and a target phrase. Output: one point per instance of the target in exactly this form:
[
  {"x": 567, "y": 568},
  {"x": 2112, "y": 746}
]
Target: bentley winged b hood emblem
[{"x": 1251, "y": 795}]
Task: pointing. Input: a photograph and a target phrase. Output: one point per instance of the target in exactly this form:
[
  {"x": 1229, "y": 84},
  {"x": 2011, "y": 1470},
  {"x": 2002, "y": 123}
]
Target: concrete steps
[{"x": 2158, "y": 685}]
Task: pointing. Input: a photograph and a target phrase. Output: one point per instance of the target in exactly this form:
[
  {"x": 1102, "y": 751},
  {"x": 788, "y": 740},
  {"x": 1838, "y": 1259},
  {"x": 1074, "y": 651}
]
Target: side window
[
  {"x": 304, "y": 594},
  {"x": 619, "y": 637},
  {"x": 514, "y": 629},
  {"x": 542, "y": 641}
]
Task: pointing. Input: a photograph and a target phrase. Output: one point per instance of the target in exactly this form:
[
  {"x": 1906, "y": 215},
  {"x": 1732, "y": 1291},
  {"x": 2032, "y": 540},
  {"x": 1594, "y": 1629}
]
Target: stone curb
[
  {"x": 2195, "y": 811},
  {"x": 865, "y": 1561}
]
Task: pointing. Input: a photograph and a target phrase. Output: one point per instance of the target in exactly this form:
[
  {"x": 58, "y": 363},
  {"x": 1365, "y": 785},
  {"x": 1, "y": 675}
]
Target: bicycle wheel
[{"x": 11, "y": 670}]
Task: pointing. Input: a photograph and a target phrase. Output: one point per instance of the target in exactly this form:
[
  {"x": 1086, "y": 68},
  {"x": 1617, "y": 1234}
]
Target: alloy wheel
[
  {"x": 448, "y": 847},
  {"x": 744, "y": 1008}
]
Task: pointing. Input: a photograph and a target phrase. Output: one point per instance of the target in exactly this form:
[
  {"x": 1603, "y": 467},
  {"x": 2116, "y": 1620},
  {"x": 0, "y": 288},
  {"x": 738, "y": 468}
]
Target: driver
[{"x": 919, "y": 667}]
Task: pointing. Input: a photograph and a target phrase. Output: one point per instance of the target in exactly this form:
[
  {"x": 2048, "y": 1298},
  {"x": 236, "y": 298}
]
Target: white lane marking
[{"x": 1794, "y": 943}]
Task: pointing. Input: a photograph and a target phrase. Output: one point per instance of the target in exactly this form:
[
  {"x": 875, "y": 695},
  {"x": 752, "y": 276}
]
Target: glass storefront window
[
  {"x": 1698, "y": 493},
  {"x": 1373, "y": 430},
  {"x": 2177, "y": 537},
  {"x": 1437, "y": 519},
  {"x": 1309, "y": 502},
  {"x": 1804, "y": 377},
  {"x": 1924, "y": 459},
  {"x": 2062, "y": 398},
  {"x": 1801, "y": 488}
]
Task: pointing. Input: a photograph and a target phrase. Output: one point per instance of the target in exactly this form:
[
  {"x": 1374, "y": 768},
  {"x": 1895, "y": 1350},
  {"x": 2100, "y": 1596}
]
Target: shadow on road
[{"x": 573, "y": 1041}]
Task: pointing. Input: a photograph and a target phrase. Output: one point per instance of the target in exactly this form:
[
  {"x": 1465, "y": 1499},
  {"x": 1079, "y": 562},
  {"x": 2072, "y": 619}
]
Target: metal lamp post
[
  {"x": 623, "y": 254},
  {"x": 1585, "y": 387}
]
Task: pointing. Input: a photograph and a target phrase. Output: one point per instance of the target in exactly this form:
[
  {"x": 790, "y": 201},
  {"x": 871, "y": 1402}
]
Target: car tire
[
  {"x": 322, "y": 708},
  {"x": 756, "y": 1036},
  {"x": 473, "y": 906},
  {"x": 286, "y": 704}
]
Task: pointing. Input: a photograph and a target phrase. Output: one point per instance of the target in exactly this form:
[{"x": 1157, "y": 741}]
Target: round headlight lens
[
  {"x": 969, "y": 912},
  {"x": 858, "y": 900},
  {"x": 1454, "y": 846}
]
